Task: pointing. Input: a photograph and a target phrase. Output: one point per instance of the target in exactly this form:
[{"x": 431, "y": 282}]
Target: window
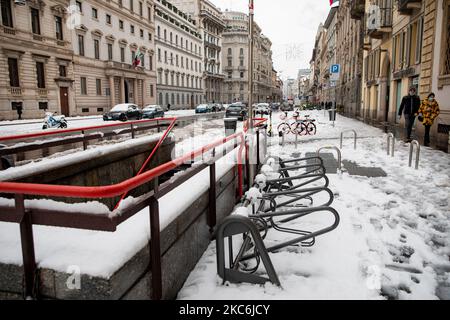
[
  {"x": 59, "y": 28},
  {"x": 131, "y": 5},
  {"x": 446, "y": 43},
  {"x": 151, "y": 91},
  {"x": 171, "y": 37},
  {"x": 79, "y": 6},
  {"x": 108, "y": 19},
  {"x": 132, "y": 29},
  {"x": 149, "y": 13},
  {"x": 159, "y": 32},
  {"x": 99, "y": 109},
  {"x": 43, "y": 105},
  {"x": 35, "y": 22},
  {"x": 94, "y": 13},
  {"x": 7, "y": 20},
  {"x": 122, "y": 54},
  {"x": 40, "y": 75},
  {"x": 16, "y": 105},
  {"x": 141, "y": 33},
  {"x": 83, "y": 85},
  {"x": 230, "y": 74},
  {"x": 230, "y": 51},
  {"x": 62, "y": 71},
  {"x": 150, "y": 61},
  {"x": 165, "y": 34},
  {"x": 165, "y": 56},
  {"x": 85, "y": 110},
  {"x": 149, "y": 36},
  {"x": 419, "y": 41},
  {"x": 242, "y": 75},
  {"x": 110, "y": 51},
  {"x": 241, "y": 51},
  {"x": 120, "y": 24},
  {"x": 230, "y": 62},
  {"x": 141, "y": 9},
  {"x": 81, "y": 45},
  {"x": 98, "y": 86},
  {"x": 96, "y": 49},
  {"x": 159, "y": 55},
  {"x": 13, "y": 72}
]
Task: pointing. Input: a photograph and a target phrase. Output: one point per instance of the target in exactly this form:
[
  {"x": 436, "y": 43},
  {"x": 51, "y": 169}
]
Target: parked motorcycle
[{"x": 52, "y": 121}]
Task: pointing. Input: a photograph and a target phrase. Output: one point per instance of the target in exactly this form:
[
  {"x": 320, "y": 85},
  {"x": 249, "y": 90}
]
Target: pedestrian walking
[
  {"x": 428, "y": 112},
  {"x": 409, "y": 108},
  {"x": 168, "y": 107},
  {"x": 19, "y": 111}
]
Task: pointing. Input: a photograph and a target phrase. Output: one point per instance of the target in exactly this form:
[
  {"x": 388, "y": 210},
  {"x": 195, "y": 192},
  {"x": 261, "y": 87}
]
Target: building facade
[
  {"x": 179, "y": 57},
  {"x": 106, "y": 43},
  {"x": 36, "y": 67},
  {"x": 211, "y": 25},
  {"x": 235, "y": 56}
]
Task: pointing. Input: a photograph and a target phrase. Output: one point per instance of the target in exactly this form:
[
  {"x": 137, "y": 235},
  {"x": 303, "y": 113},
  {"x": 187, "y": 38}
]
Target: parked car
[
  {"x": 123, "y": 112},
  {"x": 152, "y": 111},
  {"x": 262, "y": 109},
  {"x": 275, "y": 106},
  {"x": 286, "y": 107},
  {"x": 203, "y": 108},
  {"x": 219, "y": 107},
  {"x": 237, "y": 110}
]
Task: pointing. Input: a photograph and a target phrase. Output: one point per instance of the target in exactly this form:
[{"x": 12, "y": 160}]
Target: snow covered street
[{"x": 393, "y": 239}]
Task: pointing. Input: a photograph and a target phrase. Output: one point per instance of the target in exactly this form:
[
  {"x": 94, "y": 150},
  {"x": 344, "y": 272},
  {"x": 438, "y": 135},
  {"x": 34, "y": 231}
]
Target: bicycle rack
[
  {"x": 411, "y": 149},
  {"x": 390, "y": 151},
  {"x": 235, "y": 225},
  {"x": 338, "y": 153},
  {"x": 355, "y": 136}
]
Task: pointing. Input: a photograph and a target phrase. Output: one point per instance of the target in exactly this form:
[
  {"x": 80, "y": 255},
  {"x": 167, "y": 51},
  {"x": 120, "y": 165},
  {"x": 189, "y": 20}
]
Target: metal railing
[
  {"x": 27, "y": 217},
  {"x": 355, "y": 137},
  {"x": 338, "y": 151},
  {"x": 411, "y": 149},
  {"x": 390, "y": 149}
]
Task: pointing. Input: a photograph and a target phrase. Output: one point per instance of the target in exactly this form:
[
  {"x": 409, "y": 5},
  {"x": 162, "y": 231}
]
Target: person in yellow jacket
[{"x": 428, "y": 112}]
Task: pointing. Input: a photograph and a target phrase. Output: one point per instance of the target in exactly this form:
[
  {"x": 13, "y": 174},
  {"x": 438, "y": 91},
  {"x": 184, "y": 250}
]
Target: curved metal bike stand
[
  {"x": 297, "y": 194},
  {"x": 338, "y": 153},
  {"x": 355, "y": 137},
  {"x": 299, "y": 213},
  {"x": 280, "y": 184},
  {"x": 390, "y": 150},
  {"x": 411, "y": 149},
  {"x": 235, "y": 225}
]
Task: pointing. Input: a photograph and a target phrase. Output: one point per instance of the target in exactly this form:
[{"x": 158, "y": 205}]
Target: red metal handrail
[
  {"x": 146, "y": 162},
  {"x": 50, "y": 133},
  {"x": 111, "y": 191}
]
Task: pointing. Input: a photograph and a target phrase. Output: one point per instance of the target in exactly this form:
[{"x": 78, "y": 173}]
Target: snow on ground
[
  {"x": 59, "y": 248},
  {"x": 392, "y": 242}
]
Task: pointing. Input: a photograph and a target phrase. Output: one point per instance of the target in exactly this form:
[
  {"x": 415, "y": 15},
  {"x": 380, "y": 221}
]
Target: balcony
[
  {"x": 42, "y": 92},
  {"x": 406, "y": 7},
  {"x": 9, "y": 30},
  {"x": 380, "y": 24},
  {"x": 15, "y": 91},
  {"x": 357, "y": 9}
]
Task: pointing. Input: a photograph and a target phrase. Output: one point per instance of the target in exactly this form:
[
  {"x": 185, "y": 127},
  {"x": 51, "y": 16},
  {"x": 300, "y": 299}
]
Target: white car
[{"x": 262, "y": 108}]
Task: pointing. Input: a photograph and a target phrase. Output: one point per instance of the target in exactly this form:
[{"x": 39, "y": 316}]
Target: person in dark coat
[{"x": 409, "y": 107}]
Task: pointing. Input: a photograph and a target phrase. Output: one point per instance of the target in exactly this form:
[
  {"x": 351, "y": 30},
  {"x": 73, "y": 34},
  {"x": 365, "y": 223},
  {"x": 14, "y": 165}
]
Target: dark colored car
[
  {"x": 203, "y": 108},
  {"x": 152, "y": 111},
  {"x": 236, "y": 110},
  {"x": 123, "y": 112}
]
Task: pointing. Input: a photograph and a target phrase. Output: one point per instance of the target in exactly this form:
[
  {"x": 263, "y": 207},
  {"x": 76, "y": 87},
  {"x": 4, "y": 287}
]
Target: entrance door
[
  {"x": 399, "y": 98},
  {"x": 64, "y": 98},
  {"x": 127, "y": 92}
]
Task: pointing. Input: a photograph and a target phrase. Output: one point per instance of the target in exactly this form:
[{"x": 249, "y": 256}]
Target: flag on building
[
  {"x": 137, "y": 59},
  {"x": 332, "y": 2}
]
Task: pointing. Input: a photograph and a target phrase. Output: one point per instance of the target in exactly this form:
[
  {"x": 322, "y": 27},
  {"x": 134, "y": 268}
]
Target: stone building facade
[
  {"x": 211, "y": 26},
  {"x": 105, "y": 44},
  {"x": 179, "y": 51},
  {"x": 235, "y": 56},
  {"x": 36, "y": 68}
]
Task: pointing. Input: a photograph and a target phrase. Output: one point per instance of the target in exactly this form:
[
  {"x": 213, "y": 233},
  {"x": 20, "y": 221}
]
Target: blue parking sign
[{"x": 335, "y": 68}]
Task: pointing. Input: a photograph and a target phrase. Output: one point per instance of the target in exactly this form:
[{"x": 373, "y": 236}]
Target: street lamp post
[{"x": 250, "y": 83}]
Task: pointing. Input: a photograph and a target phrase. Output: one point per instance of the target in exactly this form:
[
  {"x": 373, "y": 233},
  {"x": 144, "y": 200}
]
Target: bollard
[
  {"x": 281, "y": 136},
  {"x": 355, "y": 137},
  {"x": 411, "y": 149},
  {"x": 296, "y": 140},
  {"x": 390, "y": 150},
  {"x": 339, "y": 153}
]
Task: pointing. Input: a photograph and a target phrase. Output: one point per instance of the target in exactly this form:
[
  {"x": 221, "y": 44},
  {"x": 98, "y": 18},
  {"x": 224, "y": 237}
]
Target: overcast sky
[{"x": 290, "y": 24}]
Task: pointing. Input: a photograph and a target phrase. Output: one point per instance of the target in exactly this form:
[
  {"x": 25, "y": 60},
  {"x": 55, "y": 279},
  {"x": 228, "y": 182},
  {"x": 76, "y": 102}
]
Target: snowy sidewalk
[{"x": 393, "y": 240}]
